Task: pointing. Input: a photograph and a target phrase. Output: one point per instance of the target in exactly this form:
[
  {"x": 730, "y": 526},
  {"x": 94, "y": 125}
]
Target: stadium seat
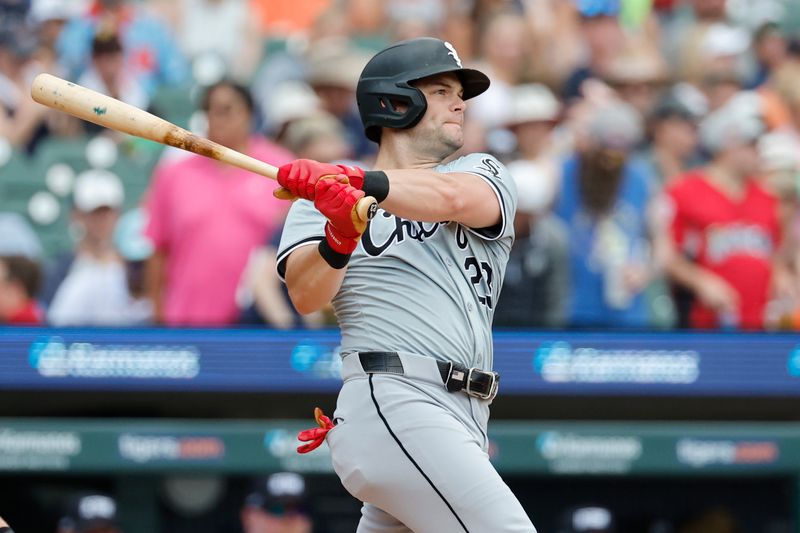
[
  {"x": 24, "y": 190},
  {"x": 57, "y": 150},
  {"x": 175, "y": 104}
]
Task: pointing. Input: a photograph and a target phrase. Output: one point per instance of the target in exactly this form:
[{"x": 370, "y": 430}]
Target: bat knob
[{"x": 366, "y": 208}]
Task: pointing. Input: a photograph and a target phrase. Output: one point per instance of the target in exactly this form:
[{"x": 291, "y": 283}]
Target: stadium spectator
[
  {"x": 89, "y": 287},
  {"x": 410, "y": 19},
  {"x": 90, "y": 513},
  {"x": 536, "y": 286},
  {"x": 504, "y": 50},
  {"x": 287, "y": 17},
  {"x": 236, "y": 42},
  {"x": 17, "y": 237},
  {"x": 20, "y": 117},
  {"x": 151, "y": 54},
  {"x": 320, "y": 137},
  {"x": 771, "y": 50},
  {"x": 673, "y": 147},
  {"x": 107, "y": 73},
  {"x": 205, "y": 217},
  {"x": 684, "y": 28},
  {"x": 716, "y": 66},
  {"x": 714, "y": 519},
  {"x": 724, "y": 227},
  {"x": 277, "y": 504},
  {"x": 587, "y": 519},
  {"x": 20, "y": 277},
  {"x": 333, "y": 74},
  {"x": 602, "y": 34},
  {"x": 603, "y": 201},
  {"x": 638, "y": 74},
  {"x": 261, "y": 294}
]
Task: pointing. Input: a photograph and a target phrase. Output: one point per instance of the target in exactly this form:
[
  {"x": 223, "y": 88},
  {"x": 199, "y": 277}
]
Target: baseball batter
[{"x": 414, "y": 293}]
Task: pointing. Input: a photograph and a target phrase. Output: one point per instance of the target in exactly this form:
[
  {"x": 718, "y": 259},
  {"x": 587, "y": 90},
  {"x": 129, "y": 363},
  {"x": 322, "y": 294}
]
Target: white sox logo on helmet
[{"x": 453, "y": 53}]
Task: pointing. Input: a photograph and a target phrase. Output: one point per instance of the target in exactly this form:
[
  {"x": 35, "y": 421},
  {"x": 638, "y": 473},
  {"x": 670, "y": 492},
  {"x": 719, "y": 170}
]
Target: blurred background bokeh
[{"x": 646, "y": 329}]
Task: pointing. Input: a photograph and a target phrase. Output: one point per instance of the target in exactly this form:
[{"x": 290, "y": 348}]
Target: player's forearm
[
  {"x": 429, "y": 196},
  {"x": 312, "y": 283}
]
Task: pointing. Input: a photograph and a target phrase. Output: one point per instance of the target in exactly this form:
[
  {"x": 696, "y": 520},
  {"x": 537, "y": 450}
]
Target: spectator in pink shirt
[{"x": 206, "y": 217}]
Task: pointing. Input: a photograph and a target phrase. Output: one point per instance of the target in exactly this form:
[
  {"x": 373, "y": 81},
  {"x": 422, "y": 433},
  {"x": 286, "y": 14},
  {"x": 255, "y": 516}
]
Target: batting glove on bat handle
[
  {"x": 340, "y": 203},
  {"x": 298, "y": 179},
  {"x": 314, "y": 437}
]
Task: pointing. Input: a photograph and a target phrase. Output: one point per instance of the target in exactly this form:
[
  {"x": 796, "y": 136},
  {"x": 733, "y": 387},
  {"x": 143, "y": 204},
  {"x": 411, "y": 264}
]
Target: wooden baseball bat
[{"x": 109, "y": 112}]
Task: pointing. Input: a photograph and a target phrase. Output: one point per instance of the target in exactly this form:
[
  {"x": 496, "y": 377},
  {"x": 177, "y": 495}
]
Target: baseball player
[{"x": 414, "y": 292}]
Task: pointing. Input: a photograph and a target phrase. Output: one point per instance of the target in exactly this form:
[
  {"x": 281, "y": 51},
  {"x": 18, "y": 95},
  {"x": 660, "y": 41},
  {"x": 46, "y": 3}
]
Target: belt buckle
[{"x": 492, "y": 388}]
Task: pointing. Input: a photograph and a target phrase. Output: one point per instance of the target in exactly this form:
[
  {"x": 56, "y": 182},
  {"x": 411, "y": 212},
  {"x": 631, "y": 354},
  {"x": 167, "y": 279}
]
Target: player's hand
[
  {"x": 336, "y": 199},
  {"x": 300, "y": 177}
]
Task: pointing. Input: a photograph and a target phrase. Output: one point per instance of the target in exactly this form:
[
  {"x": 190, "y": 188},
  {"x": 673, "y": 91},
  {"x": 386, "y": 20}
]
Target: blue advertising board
[{"x": 530, "y": 362}]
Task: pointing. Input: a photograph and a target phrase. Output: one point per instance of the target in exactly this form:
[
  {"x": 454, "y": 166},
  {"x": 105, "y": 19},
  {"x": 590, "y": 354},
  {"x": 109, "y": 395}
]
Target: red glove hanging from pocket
[{"x": 315, "y": 436}]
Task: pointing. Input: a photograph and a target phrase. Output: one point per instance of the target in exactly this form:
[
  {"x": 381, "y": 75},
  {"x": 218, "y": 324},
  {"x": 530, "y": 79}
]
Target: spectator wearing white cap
[
  {"x": 277, "y": 503},
  {"x": 536, "y": 287},
  {"x": 603, "y": 201},
  {"x": 90, "y": 513},
  {"x": 533, "y": 113},
  {"x": 89, "y": 286},
  {"x": 724, "y": 228}
]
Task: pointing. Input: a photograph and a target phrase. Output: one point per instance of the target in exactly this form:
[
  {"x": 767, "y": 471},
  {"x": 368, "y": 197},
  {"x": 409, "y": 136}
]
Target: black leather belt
[{"x": 456, "y": 377}]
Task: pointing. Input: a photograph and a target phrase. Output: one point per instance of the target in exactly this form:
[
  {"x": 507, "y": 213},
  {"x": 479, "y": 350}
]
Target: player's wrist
[
  {"x": 335, "y": 248},
  {"x": 376, "y": 184}
]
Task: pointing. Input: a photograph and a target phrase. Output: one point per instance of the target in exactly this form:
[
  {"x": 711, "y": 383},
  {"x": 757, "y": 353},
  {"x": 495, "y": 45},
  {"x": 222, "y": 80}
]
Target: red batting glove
[
  {"x": 315, "y": 436},
  {"x": 337, "y": 199},
  {"x": 300, "y": 177}
]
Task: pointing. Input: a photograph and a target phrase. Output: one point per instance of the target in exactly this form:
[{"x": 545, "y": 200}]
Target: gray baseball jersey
[{"x": 421, "y": 287}]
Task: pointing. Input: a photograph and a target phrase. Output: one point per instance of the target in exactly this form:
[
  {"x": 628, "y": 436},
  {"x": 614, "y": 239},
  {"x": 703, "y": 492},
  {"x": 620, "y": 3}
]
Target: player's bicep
[
  {"x": 480, "y": 205},
  {"x": 491, "y": 198}
]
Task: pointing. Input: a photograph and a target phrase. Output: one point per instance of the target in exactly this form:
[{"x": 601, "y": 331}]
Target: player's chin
[{"x": 453, "y": 136}]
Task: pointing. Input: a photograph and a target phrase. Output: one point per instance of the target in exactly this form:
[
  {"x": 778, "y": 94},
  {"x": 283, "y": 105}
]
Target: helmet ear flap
[{"x": 379, "y": 108}]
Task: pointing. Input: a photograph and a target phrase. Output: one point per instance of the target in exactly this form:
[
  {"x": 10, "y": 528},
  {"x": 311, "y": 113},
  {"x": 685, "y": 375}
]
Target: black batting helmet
[{"x": 388, "y": 74}]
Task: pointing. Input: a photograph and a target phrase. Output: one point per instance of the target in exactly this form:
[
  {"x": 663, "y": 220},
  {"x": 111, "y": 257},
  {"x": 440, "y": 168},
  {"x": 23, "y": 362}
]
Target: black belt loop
[{"x": 455, "y": 377}]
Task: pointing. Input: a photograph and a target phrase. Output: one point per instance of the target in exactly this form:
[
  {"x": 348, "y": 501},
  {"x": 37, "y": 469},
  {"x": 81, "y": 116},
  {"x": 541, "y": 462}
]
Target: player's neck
[{"x": 395, "y": 153}]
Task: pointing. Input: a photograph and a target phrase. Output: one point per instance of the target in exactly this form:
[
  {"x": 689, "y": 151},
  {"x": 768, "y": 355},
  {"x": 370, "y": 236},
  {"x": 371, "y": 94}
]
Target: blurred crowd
[{"x": 654, "y": 144}]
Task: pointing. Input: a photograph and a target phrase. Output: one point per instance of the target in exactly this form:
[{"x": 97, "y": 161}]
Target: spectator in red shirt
[
  {"x": 19, "y": 282},
  {"x": 724, "y": 226}
]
